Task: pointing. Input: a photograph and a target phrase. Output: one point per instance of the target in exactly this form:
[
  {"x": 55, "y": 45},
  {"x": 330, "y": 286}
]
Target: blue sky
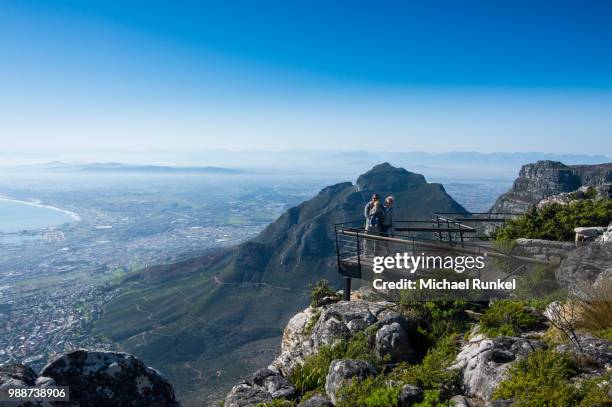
[{"x": 433, "y": 76}]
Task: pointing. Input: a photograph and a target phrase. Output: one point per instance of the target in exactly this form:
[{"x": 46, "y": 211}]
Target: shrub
[
  {"x": 594, "y": 307},
  {"x": 539, "y": 287},
  {"x": 507, "y": 317},
  {"x": 375, "y": 391},
  {"x": 310, "y": 376},
  {"x": 361, "y": 347},
  {"x": 595, "y": 392},
  {"x": 277, "y": 403},
  {"x": 312, "y": 321},
  {"x": 556, "y": 221},
  {"x": 433, "y": 372},
  {"x": 320, "y": 290},
  {"x": 431, "y": 398},
  {"x": 542, "y": 379}
]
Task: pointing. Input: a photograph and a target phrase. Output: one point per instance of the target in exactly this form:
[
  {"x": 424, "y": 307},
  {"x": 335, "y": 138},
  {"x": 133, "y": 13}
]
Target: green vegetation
[
  {"x": 542, "y": 379},
  {"x": 320, "y": 290},
  {"x": 432, "y": 373},
  {"x": 310, "y": 376},
  {"x": 556, "y": 221},
  {"x": 435, "y": 319},
  {"x": 277, "y": 403},
  {"x": 375, "y": 391},
  {"x": 539, "y": 287},
  {"x": 507, "y": 317},
  {"x": 431, "y": 398},
  {"x": 312, "y": 321}
]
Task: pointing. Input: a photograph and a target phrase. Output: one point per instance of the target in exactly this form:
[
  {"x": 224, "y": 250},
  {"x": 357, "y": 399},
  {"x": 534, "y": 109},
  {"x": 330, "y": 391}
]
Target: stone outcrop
[
  {"x": 317, "y": 400},
  {"x": 342, "y": 372},
  {"x": 584, "y": 264},
  {"x": 97, "y": 379},
  {"x": 243, "y": 395},
  {"x": 307, "y": 331},
  {"x": 544, "y": 179},
  {"x": 484, "y": 361},
  {"x": 262, "y": 386},
  {"x": 606, "y": 235},
  {"x": 109, "y": 378},
  {"x": 409, "y": 395}
]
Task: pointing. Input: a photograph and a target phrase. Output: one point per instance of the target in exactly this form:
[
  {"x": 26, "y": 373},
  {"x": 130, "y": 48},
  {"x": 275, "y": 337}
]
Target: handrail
[{"x": 449, "y": 247}]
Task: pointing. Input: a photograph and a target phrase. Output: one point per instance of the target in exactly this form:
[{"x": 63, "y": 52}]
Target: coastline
[{"x": 75, "y": 216}]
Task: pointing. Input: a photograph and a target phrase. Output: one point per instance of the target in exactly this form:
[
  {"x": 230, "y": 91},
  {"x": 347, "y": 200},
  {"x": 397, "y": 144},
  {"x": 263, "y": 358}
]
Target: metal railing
[{"x": 444, "y": 234}]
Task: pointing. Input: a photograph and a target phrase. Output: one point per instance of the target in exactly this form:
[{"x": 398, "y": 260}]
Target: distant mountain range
[
  {"x": 202, "y": 312},
  {"x": 108, "y": 167},
  {"x": 443, "y": 165}
]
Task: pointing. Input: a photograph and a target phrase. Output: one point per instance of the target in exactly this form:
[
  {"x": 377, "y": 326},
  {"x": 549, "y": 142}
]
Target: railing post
[
  {"x": 359, "y": 254},
  {"x": 347, "y": 288},
  {"x": 337, "y": 248}
]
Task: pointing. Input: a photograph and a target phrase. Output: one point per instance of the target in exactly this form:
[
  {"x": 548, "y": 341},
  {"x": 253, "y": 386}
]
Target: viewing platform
[{"x": 444, "y": 234}]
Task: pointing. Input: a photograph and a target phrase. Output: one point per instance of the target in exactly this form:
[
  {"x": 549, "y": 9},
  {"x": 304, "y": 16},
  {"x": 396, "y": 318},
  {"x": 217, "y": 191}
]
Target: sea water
[{"x": 17, "y": 216}]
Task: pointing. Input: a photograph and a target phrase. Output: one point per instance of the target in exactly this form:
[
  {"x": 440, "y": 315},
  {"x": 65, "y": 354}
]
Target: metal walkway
[{"x": 444, "y": 234}]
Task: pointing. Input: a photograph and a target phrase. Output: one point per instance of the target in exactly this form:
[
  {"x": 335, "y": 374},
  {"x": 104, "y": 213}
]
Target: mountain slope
[{"x": 189, "y": 320}]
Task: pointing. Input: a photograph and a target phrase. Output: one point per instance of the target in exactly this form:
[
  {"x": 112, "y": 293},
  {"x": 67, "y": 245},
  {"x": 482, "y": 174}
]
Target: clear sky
[{"x": 372, "y": 75}]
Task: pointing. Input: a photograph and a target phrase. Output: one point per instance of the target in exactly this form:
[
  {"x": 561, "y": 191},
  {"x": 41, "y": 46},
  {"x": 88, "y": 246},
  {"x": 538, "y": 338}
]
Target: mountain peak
[{"x": 385, "y": 177}]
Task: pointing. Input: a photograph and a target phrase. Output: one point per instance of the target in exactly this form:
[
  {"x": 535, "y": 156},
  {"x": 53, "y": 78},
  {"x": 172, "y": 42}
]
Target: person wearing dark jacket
[{"x": 386, "y": 227}]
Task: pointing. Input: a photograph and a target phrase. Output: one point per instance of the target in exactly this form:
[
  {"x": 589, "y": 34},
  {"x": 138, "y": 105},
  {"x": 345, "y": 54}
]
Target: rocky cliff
[
  {"x": 389, "y": 368},
  {"x": 95, "y": 379},
  {"x": 546, "y": 178}
]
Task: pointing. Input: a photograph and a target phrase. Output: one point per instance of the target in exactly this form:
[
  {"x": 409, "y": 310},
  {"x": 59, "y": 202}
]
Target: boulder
[
  {"x": 296, "y": 343},
  {"x": 597, "y": 350},
  {"x": 341, "y": 372},
  {"x": 264, "y": 384},
  {"x": 317, "y": 400},
  {"x": 99, "y": 378},
  {"x": 279, "y": 387},
  {"x": 588, "y": 233},
  {"x": 584, "y": 263},
  {"x": 409, "y": 395},
  {"x": 606, "y": 235},
  {"x": 483, "y": 362},
  {"x": 313, "y": 328},
  {"x": 605, "y": 277},
  {"x": 244, "y": 395},
  {"x": 16, "y": 375},
  {"x": 459, "y": 401},
  {"x": 45, "y": 382},
  {"x": 392, "y": 342}
]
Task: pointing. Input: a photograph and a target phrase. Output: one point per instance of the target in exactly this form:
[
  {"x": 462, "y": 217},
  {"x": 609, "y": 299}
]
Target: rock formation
[
  {"x": 341, "y": 321},
  {"x": 103, "y": 379},
  {"x": 547, "y": 178},
  {"x": 482, "y": 362}
]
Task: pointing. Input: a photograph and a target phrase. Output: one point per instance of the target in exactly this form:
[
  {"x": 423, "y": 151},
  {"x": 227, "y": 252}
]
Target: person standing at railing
[
  {"x": 386, "y": 227},
  {"x": 374, "y": 214}
]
